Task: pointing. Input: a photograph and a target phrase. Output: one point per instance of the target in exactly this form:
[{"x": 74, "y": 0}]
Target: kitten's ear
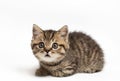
[
  {"x": 63, "y": 31},
  {"x": 36, "y": 31}
]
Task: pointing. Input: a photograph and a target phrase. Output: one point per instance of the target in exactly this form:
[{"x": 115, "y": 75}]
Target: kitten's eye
[
  {"x": 41, "y": 45},
  {"x": 55, "y": 45}
]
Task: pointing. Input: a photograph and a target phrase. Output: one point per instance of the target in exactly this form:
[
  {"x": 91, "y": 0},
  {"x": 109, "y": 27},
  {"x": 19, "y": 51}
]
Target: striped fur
[{"x": 76, "y": 52}]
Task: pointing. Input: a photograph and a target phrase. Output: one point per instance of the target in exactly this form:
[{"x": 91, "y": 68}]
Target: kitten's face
[{"x": 49, "y": 45}]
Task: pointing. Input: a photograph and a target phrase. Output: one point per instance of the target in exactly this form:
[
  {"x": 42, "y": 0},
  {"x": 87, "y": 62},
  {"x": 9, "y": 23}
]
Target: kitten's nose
[
  {"x": 47, "y": 50},
  {"x": 47, "y": 53}
]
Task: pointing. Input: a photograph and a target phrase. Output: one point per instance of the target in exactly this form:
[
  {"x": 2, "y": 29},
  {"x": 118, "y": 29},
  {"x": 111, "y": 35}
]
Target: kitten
[{"x": 61, "y": 53}]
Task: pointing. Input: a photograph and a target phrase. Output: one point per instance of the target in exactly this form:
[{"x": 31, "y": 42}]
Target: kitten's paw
[
  {"x": 63, "y": 72},
  {"x": 57, "y": 74},
  {"x": 68, "y": 70},
  {"x": 40, "y": 72},
  {"x": 91, "y": 71}
]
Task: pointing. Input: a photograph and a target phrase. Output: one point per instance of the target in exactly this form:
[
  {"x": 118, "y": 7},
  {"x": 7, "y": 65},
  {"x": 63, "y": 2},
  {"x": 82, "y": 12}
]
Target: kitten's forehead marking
[
  {"x": 49, "y": 37},
  {"x": 49, "y": 34}
]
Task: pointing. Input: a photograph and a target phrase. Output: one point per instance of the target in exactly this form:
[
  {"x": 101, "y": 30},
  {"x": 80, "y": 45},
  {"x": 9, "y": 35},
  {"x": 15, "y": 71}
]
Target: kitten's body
[{"x": 78, "y": 54}]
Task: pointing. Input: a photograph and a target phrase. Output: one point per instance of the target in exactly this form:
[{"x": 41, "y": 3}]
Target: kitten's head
[{"x": 49, "y": 45}]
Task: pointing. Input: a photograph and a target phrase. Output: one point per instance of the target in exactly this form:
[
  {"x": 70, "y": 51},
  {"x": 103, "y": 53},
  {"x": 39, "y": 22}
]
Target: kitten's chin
[{"x": 50, "y": 61}]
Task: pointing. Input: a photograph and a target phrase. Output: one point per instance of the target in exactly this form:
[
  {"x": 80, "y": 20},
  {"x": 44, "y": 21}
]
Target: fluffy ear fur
[
  {"x": 63, "y": 31},
  {"x": 36, "y": 31}
]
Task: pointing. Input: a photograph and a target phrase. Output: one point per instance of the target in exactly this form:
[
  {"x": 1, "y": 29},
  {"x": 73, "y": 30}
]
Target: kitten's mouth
[{"x": 47, "y": 55}]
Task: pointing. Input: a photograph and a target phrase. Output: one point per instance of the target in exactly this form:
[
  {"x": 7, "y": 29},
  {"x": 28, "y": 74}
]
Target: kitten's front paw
[
  {"x": 41, "y": 72},
  {"x": 60, "y": 74},
  {"x": 64, "y": 72}
]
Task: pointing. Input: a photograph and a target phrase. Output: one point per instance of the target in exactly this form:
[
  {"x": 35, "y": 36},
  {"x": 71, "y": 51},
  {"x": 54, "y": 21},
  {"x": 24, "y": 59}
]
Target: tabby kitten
[{"x": 61, "y": 53}]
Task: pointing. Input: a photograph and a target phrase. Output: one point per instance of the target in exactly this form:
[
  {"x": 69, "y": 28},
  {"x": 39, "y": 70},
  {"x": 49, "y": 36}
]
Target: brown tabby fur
[{"x": 76, "y": 52}]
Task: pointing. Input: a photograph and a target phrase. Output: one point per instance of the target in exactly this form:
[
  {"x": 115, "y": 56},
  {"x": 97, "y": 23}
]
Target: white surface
[{"x": 98, "y": 18}]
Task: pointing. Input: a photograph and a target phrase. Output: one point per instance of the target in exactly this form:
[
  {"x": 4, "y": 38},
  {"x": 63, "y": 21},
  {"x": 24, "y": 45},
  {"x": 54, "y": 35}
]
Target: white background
[{"x": 98, "y": 18}]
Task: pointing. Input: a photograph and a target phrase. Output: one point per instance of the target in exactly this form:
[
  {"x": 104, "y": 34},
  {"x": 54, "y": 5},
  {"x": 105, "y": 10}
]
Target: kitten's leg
[
  {"x": 41, "y": 72},
  {"x": 63, "y": 72},
  {"x": 67, "y": 70},
  {"x": 94, "y": 67}
]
